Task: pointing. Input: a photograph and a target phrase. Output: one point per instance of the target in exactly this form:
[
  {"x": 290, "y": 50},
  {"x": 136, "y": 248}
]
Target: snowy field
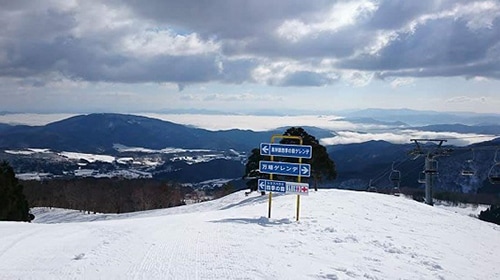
[{"x": 340, "y": 235}]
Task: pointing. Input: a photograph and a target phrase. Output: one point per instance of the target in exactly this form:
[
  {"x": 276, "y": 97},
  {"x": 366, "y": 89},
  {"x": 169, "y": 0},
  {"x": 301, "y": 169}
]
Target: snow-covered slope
[{"x": 340, "y": 235}]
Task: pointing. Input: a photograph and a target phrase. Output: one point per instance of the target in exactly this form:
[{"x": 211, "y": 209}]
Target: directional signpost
[
  {"x": 272, "y": 186},
  {"x": 285, "y": 168},
  {"x": 283, "y": 187},
  {"x": 292, "y": 151}
]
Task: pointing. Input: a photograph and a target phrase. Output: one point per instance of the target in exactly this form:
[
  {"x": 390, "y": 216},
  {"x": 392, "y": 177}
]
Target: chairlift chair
[
  {"x": 468, "y": 170},
  {"x": 395, "y": 175},
  {"x": 396, "y": 191},
  {"x": 371, "y": 188},
  {"x": 421, "y": 178},
  {"x": 494, "y": 174}
]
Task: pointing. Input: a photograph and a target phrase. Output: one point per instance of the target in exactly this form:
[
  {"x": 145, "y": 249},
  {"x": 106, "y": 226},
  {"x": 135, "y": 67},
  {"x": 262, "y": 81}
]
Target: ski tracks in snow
[{"x": 194, "y": 251}]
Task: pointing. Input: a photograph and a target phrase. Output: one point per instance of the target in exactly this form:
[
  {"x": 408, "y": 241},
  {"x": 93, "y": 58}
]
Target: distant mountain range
[
  {"x": 493, "y": 129},
  {"x": 420, "y": 118},
  {"x": 366, "y": 120},
  {"x": 137, "y": 143},
  {"x": 357, "y": 164},
  {"x": 97, "y": 133}
]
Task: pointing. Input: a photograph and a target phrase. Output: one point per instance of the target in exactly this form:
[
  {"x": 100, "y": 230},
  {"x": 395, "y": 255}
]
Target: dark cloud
[
  {"x": 341, "y": 44},
  {"x": 442, "y": 47},
  {"x": 33, "y": 24},
  {"x": 237, "y": 71},
  {"x": 235, "y": 19},
  {"x": 82, "y": 60},
  {"x": 490, "y": 69},
  {"x": 306, "y": 79},
  {"x": 33, "y": 82},
  {"x": 395, "y": 14}
]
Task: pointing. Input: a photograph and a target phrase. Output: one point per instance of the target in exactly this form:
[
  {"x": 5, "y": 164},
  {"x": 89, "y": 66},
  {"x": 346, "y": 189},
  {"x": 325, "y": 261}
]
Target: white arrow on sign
[
  {"x": 305, "y": 170},
  {"x": 265, "y": 149},
  {"x": 262, "y": 184}
]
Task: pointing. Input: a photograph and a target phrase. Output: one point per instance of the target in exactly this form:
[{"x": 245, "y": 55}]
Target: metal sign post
[{"x": 284, "y": 168}]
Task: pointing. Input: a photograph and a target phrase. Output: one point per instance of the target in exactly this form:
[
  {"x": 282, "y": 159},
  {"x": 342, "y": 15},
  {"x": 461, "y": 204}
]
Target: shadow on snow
[{"x": 262, "y": 221}]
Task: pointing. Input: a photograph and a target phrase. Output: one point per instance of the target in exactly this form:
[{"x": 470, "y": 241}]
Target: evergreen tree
[
  {"x": 252, "y": 170},
  {"x": 13, "y": 204},
  {"x": 491, "y": 214},
  {"x": 322, "y": 167}
]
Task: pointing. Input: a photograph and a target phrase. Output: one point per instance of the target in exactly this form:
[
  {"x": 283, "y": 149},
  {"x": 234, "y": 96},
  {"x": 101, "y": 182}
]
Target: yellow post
[
  {"x": 270, "y": 193},
  {"x": 269, "y": 210},
  {"x": 298, "y": 178},
  {"x": 298, "y": 207}
]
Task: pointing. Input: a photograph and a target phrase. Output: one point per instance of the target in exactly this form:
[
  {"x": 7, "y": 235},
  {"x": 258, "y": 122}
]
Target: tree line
[
  {"x": 91, "y": 195},
  {"x": 104, "y": 195}
]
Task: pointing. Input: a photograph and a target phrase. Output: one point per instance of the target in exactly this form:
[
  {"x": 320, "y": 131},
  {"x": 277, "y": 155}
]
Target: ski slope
[{"x": 340, "y": 235}]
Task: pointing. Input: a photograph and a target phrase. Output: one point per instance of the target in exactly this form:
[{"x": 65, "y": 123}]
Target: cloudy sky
[{"x": 237, "y": 55}]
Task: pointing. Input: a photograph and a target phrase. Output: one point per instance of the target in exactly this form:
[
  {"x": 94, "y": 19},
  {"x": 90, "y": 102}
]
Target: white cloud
[
  {"x": 253, "y": 122},
  {"x": 358, "y": 78},
  {"x": 479, "y": 14},
  {"x": 480, "y": 79},
  {"x": 243, "y": 97},
  {"x": 154, "y": 42},
  {"x": 382, "y": 39},
  {"x": 269, "y": 73},
  {"x": 293, "y": 30},
  {"x": 466, "y": 99},
  {"x": 401, "y": 82},
  {"x": 95, "y": 18},
  {"x": 404, "y": 136},
  {"x": 340, "y": 15},
  {"x": 32, "y": 119},
  {"x": 255, "y": 97}
]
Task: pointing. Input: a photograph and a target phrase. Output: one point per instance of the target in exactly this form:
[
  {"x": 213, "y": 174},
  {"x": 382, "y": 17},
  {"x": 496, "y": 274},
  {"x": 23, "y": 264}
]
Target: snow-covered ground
[
  {"x": 88, "y": 157},
  {"x": 340, "y": 235}
]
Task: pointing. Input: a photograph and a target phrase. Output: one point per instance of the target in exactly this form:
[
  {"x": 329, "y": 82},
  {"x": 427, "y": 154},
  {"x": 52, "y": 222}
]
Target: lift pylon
[{"x": 431, "y": 164}]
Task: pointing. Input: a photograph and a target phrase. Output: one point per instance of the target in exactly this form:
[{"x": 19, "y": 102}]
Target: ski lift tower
[{"x": 431, "y": 164}]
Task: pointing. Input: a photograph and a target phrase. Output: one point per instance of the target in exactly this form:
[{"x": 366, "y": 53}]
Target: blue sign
[
  {"x": 283, "y": 187},
  {"x": 285, "y": 168},
  {"x": 272, "y": 186},
  {"x": 282, "y": 150}
]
